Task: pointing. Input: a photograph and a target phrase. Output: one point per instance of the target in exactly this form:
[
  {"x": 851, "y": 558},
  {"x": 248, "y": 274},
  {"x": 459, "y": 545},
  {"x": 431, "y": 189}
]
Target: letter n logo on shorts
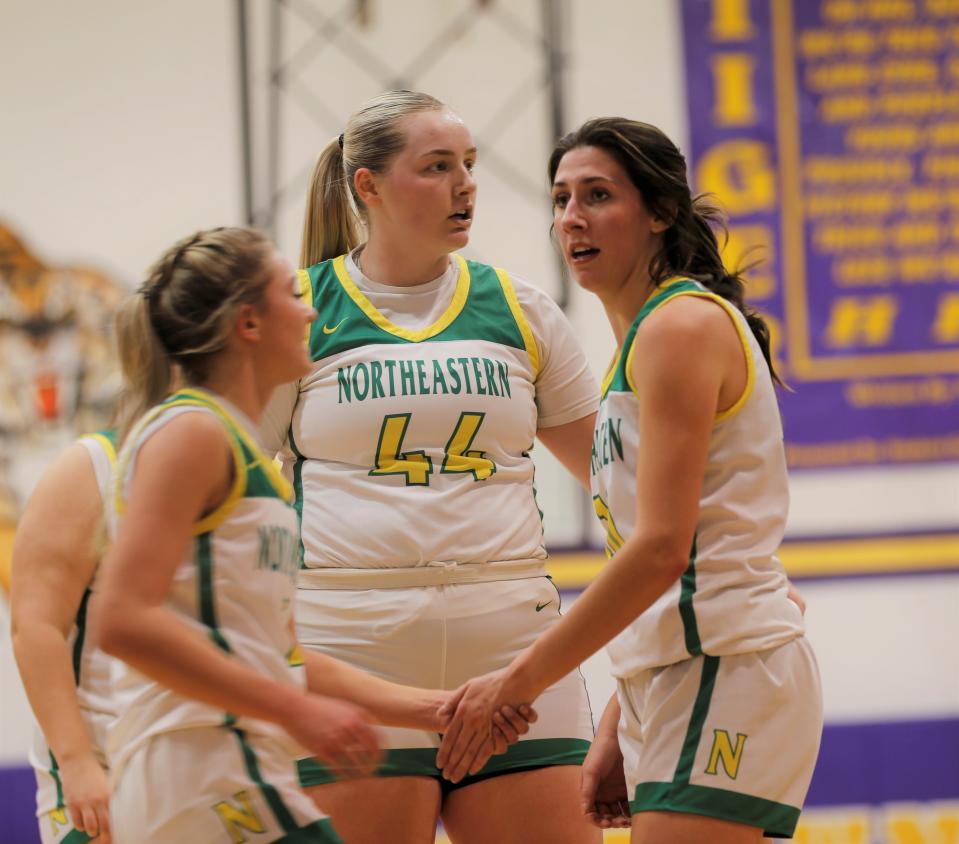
[
  {"x": 58, "y": 818},
  {"x": 235, "y": 817},
  {"x": 723, "y": 752}
]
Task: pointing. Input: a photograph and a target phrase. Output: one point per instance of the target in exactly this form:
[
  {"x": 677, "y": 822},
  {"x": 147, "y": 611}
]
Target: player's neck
[
  {"x": 399, "y": 265},
  {"x": 237, "y": 382},
  {"x": 623, "y": 305}
]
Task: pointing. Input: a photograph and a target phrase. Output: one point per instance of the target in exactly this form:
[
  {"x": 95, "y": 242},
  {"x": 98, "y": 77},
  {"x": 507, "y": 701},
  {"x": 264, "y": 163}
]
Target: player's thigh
[
  {"x": 678, "y": 828},
  {"x": 537, "y": 805},
  {"x": 401, "y": 810}
]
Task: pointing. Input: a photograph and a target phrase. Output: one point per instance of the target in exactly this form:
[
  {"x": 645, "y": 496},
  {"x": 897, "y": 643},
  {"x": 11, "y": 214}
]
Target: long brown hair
[{"x": 690, "y": 246}]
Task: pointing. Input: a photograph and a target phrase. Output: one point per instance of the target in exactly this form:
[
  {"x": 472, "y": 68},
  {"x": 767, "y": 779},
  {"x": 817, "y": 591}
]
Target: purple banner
[{"x": 829, "y": 131}]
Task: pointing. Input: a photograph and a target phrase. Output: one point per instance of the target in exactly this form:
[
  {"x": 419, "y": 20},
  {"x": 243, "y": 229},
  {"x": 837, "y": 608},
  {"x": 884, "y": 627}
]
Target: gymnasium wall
[{"x": 122, "y": 133}]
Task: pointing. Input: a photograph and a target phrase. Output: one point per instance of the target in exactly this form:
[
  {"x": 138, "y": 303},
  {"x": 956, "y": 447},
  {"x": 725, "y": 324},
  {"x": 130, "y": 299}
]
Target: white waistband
[{"x": 431, "y": 574}]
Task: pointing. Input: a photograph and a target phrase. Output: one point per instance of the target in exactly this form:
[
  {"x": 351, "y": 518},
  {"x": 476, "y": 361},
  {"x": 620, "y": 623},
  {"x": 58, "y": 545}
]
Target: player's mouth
[
  {"x": 464, "y": 216},
  {"x": 581, "y": 253}
]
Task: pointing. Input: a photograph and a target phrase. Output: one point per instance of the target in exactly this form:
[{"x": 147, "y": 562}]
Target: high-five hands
[{"x": 484, "y": 720}]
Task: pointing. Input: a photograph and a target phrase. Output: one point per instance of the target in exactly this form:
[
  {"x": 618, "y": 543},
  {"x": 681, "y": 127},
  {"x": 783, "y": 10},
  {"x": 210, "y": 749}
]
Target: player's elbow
[
  {"x": 665, "y": 557},
  {"x": 112, "y": 628}
]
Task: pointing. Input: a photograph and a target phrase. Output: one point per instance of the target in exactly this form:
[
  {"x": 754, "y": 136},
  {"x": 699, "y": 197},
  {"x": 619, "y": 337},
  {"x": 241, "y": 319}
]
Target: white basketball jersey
[
  {"x": 236, "y": 584},
  {"x": 732, "y": 597},
  {"x": 412, "y": 446}
]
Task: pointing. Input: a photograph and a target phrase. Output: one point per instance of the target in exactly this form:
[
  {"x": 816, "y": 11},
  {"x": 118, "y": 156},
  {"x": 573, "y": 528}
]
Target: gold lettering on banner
[
  {"x": 861, "y": 321},
  {"x": 833, "y": 827},
  {"x": 741, "y": 173},
  {"x": 730, "y": 21},
  {"x": 922, "y": 825},
  {"x": 734, "y": 102},
  {"x": 863, "y": 271},
  {"x": 946, "y": 327}
]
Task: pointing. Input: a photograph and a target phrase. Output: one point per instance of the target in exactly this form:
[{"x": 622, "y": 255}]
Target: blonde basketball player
[
  {"x": 214, "y": 698},
  {"x": 718, "y": 709},
  {"x": 407, "y": 445},
  {"x": 66, "y": 677}
]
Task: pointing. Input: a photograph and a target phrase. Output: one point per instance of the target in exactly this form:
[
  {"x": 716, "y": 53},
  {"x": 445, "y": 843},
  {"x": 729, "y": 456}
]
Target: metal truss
[{"x": 271, "y": 183}]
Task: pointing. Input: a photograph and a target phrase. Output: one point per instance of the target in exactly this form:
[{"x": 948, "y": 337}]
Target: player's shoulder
[
  {"x": 684, "y": 318},
  {"x": 529, "y": 294}
]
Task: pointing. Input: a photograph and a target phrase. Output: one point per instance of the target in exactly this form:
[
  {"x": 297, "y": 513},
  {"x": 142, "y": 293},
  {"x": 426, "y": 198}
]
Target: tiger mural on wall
[{"x": 58, "y": 371}]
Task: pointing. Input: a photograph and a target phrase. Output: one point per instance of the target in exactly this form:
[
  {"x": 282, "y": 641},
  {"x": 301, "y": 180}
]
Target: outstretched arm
[{"x": 674, "y": 425}]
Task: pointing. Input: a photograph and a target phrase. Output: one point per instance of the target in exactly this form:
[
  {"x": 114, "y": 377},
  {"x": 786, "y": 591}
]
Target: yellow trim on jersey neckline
[
  {"x": 306, "y": 291},
  {"x": 364, "y": 304},
  {"x": 610, "y": 374},
  {"x": 529, "y": 341},
  {"x": 731, "y": 310},
  {"x": 107, "y": 447}
]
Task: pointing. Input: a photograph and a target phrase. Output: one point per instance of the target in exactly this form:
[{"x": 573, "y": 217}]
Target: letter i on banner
[{"x": 734, "y": 103}]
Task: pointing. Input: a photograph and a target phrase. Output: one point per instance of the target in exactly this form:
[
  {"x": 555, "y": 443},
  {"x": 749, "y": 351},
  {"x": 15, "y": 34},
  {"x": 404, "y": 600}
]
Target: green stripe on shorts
[
  {"x": 421, "y": 761},
  {"x": 270, "y": 794},
  {"x": 405, "y": 762},
  {"x": 74, "y": 836},
  {"x": 776, "y": 819},
  {"x": 694, "y": 731}
]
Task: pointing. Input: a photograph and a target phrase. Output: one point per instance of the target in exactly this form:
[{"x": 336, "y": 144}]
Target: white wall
[{"x": 121, "y": 134}]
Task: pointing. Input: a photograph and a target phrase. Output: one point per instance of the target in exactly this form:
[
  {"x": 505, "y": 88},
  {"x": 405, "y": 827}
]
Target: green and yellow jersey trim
[
  {"x": 260, "y": 460},
  {"x": 306, "y": 291},
  {"x": 610, "y": 374},
  {"x": 661, "y": 291},
  {"x": 366, "y": 306},
  {"x": 731, "y": 311},
  {"x": 106, "y": 444},
  {"x": 236, "y": 435},
  {"x": 529, "y": 341},
  {"x": 664, "y": 295}
]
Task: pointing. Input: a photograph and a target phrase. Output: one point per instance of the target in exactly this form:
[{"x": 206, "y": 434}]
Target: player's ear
[
  {"x": 247, "y": 323},
  {"x": 364, "y": 182}
]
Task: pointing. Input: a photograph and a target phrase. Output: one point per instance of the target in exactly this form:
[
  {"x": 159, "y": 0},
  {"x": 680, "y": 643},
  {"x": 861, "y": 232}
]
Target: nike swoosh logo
[
  {"x": 542, "y": 606},
  {"x": 328, "y": 330}
]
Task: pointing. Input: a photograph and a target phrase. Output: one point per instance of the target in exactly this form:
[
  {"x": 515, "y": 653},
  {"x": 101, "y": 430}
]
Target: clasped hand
[{"x": 486, "y": 715}]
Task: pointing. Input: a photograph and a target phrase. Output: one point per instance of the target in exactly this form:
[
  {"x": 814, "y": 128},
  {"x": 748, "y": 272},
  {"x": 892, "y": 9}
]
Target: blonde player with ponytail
[
  {"x": 214, "y": 698},
  {"x": 57, "y": 549},
  {"x": 407, "y": 445}
]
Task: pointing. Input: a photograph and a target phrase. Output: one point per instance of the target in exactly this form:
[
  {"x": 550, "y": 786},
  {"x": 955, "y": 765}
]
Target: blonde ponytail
[
  {"x": 372, "y": 138},
  {"x": 330, "y": 225},
  {"x": 143, "y": 361}
]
